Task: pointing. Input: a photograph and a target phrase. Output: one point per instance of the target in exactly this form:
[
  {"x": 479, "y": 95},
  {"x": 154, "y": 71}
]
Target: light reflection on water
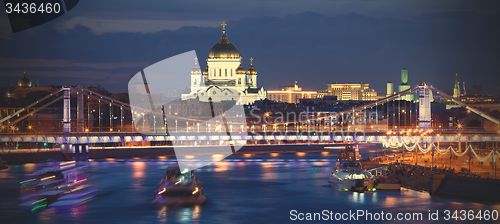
[{"x": 237, "y": 192}]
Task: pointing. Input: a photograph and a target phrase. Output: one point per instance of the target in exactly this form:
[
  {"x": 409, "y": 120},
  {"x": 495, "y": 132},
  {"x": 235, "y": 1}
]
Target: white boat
[
  {"x": 350, "y": 176},
  {"x": 179, "y": 189}
]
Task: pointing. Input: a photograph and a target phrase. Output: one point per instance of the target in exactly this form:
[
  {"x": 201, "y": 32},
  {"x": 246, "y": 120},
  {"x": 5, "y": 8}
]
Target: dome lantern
[
  {"x": 240, "y": 70},
  {"x": 196, "y": 70},
  {"x": 251, "y": 70},
  {"x": 223, "y": 48}
]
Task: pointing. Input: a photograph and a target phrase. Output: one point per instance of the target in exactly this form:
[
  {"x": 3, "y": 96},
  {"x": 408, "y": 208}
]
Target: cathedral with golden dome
[{"x": 225, "y": 77}]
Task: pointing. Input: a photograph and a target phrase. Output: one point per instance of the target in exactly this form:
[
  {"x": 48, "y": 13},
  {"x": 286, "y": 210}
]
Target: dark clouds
[{"x": 311, "y": 48}]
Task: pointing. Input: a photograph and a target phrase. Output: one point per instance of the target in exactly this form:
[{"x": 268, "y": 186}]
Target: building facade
[
  {"x": 225, "y": 78},
  {"x": 351, "y": 91},
  {"x": 290, "y": 94}
]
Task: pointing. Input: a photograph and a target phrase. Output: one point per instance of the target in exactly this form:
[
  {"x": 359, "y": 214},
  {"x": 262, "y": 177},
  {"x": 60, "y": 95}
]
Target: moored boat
[{"x": 350, "y": 176}]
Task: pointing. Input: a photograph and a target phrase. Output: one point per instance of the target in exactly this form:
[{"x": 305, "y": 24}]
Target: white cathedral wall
[{"x": 217, "y": 68}]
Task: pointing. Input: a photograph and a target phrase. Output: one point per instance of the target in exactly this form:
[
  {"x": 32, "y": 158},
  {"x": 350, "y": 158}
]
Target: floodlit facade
[{"x": 290, "y": 94}]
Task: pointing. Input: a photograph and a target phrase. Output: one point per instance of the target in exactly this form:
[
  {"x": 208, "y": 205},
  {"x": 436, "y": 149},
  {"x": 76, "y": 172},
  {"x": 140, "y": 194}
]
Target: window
[
  {"x": 231, "y": 73},
  {"x": 220, "y": 72},
  {"x": 239, "y": 80},
  {"x": 226, "y": 72}
]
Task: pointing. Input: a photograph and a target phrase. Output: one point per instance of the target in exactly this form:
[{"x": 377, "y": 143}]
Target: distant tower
[
  {"x": 390, "y": 89},
  {"x": 404, "y": 85},
  {"x": 456, "y": 89},
  {"x": 196, "y": 77},
  {"x": 465, "y": 92}
]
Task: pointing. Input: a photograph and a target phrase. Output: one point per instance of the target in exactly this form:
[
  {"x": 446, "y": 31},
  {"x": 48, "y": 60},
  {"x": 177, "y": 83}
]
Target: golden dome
[
  {"x": 205, "y": 72},
  {"x": 196, "y": 70},
  {"x": 24, "y": 82},
  {"x": 223, "y": 49},
  {"x": 240, "y": 70}
]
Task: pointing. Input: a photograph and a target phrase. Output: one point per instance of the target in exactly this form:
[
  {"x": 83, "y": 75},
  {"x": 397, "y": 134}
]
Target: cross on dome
[{"x": 223, "y": 27}]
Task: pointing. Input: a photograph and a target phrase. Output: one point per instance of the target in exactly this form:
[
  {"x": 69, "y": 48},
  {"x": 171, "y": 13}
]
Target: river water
[{"x": 243, "y": 189}]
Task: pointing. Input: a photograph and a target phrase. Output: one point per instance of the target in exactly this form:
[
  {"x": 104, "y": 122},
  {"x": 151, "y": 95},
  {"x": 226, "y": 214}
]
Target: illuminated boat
[
  {"x": 350, "y": 176},
  {"x": 62, "y": 185},
  {"x": 179, "y": 189}
]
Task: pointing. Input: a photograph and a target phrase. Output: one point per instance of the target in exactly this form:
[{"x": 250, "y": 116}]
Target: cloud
[
  {"x": 105, "y": 25},
  {"x": 60, "y": 63}
]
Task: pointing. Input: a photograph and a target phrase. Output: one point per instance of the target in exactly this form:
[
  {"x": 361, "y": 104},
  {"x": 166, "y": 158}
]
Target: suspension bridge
[{"x": 354, "y": 125}]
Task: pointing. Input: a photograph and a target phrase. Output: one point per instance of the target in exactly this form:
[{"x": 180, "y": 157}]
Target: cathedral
[{"x": 225, "y": 78}]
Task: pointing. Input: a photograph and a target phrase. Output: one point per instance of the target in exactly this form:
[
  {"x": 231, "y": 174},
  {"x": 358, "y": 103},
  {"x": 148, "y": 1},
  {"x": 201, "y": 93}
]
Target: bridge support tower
[
  {"x": 79, "y": 109},
  {"x": 73, "y": 151},
  {"x": 424, "y": 107}
]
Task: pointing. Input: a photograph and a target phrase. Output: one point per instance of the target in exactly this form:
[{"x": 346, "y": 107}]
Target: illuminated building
[
  {"x": 404, "y": 85},
  {"x": 348, "y": 91},
  {"x": 224, "y": 75},
  {"x": 24, "y": 87},
  {"x": 390, "y": 89},
  {"x": 290, "y": 94},
  {"x": 456, "y": 89}
]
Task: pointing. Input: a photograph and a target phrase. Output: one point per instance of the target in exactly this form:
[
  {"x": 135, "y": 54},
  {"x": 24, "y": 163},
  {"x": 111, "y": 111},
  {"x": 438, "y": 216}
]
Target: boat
[
  {"x": 62, "y": 185},
  {"x": 179, "y": 189},
  {"x": 350, "y": 176}
]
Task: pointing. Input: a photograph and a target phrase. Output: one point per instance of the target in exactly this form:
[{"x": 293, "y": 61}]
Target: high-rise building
[
  {"x": 390, "y": 89},
  {"x": 456, "y": 89},
  {"x": 404, "y": 85}
]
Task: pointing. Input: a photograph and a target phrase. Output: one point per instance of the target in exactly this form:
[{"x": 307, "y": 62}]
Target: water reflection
[
  {"x": 47, "y": 216},
  {"x": 29, "y": 167},
  {"x": 222, "y": 166},
  {"x": 138, "y": 169},
  {"x": 162, "y": 214}
]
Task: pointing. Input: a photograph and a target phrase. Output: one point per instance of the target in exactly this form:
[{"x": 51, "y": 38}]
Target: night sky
[{"x": 313, "y": 42}]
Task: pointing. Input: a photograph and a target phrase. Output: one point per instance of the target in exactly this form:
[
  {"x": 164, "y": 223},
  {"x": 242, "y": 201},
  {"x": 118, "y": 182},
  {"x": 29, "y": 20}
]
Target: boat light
[
  {"x": 163, "y": 190},
  {"x": 64, "y": 163},
  {"x": 195, "y": 190},
  {"x": 46, "y": 178}
]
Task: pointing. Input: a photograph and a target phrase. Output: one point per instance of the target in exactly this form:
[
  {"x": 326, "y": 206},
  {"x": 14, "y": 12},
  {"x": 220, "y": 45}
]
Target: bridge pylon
[
  {"x": 79, "y": 109},
  {"x": 424, "y": 106}
]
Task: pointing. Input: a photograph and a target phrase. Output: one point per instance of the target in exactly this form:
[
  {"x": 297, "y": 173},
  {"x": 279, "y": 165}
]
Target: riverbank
[{"x": 440, "y": 182}]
